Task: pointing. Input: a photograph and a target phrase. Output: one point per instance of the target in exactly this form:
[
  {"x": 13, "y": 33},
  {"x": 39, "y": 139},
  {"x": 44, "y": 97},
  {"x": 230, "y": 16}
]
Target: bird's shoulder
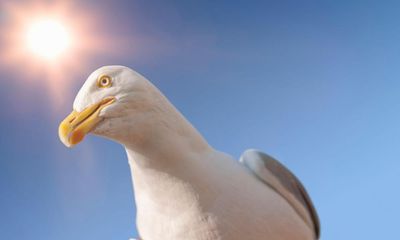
[{"x": 275, "y": 175}]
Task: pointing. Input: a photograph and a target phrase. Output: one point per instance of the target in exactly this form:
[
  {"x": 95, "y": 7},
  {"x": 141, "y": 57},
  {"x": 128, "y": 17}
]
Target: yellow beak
[{"x": 75, "y": 126}]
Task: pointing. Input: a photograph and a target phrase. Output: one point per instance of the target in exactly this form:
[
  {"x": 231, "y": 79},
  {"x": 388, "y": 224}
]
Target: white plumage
[{"x": 185, "y": 189}]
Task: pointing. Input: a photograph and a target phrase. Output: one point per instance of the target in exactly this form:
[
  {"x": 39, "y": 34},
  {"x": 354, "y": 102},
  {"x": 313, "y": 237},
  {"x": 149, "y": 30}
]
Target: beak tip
[
  {"x": 66, "y": 142},
  {"x": 75, "y": 126}
]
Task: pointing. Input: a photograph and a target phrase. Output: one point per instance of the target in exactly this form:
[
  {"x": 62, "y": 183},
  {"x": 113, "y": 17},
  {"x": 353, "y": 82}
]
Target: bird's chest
[
  {"x": 173, "y": 210},
  {"x": 185, "y": 223}
]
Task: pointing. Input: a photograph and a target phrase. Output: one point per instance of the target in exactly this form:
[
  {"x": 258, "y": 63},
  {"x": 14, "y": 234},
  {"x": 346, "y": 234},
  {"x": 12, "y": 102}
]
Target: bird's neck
[
  {"x": 165, "y": 163},
  {"x": 165, "y": 168},
  {"x": 163, "y": 138},
  {"x": 165, "y": 149},
  {"x": 164, "y": 143}
]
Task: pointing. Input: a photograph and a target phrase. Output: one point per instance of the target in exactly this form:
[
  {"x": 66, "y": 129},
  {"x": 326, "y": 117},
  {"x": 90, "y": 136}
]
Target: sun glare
[
  {"x": 54, "y": 41},
  {"x": 48, "y": 38}
]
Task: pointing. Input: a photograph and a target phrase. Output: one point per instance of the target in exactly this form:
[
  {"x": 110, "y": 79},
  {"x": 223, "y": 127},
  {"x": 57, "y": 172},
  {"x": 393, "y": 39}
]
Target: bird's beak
[{"x": 75, "y": 126}]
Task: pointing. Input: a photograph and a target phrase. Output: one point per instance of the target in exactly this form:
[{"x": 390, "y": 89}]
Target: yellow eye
[{"x": 104, "y": 81}]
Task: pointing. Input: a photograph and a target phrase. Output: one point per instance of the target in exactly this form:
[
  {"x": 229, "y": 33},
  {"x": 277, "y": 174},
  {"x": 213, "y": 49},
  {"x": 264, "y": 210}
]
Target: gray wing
[{"x": 278, "y": 177}]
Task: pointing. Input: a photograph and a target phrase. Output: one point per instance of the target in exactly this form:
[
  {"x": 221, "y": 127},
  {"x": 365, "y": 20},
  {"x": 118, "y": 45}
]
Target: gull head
[{"x": 115, "y": 102}]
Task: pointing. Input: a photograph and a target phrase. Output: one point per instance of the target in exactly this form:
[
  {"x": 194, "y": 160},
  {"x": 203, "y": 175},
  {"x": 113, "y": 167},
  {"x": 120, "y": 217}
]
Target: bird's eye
[{"x": 104, "y": 81}]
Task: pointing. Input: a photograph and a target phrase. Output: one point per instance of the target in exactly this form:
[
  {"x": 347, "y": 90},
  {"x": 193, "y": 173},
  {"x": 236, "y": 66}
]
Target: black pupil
[{"x": 104, "y": 81}]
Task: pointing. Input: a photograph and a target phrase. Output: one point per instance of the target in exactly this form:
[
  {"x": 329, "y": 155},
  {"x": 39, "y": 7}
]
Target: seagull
[{"x": 184, "y": 188}]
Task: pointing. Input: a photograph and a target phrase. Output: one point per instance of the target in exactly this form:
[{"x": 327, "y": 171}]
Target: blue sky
[{"x": 313, "y": 83}]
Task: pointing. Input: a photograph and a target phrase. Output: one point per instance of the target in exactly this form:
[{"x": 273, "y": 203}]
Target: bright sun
[{"x": 47, "y": 38}]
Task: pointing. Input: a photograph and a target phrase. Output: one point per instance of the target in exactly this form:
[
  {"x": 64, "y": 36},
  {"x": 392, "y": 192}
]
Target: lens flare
[{"x": 48, "y": 42}]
